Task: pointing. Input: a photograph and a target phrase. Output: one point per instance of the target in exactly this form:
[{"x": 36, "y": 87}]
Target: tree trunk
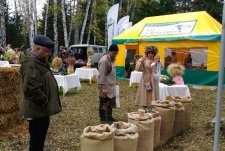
[
  {"x": 31, "y": 23},
  {"x": 71, "y": 20},
  {"x": 133, "y": 11},
  {"x": 120, "y": 9},
  {"x": 106, "y": 28},
  {"x": 55, "y": 28},
  {"x": 2, "y": 23},
  {"x": 91, "y": 22},
  {"x": 76, "y": 28},
  {"x": 35, "y": 17},
  {"x": 85, "y": 21},
  {"x": 128, "y": 7},
  {"x": 76, "y": 35},
  {"x": 46, "y": 18},
  {"x": 64, "y": 23}
]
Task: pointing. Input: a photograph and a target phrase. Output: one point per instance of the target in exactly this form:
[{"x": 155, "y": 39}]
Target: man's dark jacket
[{"x": 38, "y": 88}]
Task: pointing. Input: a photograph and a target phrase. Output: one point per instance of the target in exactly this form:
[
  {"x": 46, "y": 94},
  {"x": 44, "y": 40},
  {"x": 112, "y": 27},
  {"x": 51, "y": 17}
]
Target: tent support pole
[{"x": 220, "y": 85}]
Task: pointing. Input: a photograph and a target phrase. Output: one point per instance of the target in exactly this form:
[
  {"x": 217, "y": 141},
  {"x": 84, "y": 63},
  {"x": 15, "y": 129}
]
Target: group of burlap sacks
[
  {"x": 120, "y": 136},
  {"x": 176, "y": 115},
  {"x": 141, "y": 133}
]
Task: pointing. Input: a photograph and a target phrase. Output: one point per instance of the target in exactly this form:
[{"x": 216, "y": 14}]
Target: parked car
[{"x": 80, "y": 53}]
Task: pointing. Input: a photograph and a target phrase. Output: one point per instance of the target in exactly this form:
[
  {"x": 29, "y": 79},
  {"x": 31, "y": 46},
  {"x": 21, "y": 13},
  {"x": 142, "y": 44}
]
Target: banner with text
[
  {"x": 112, "y": 17},
  {"x": 124, "y": 20}
]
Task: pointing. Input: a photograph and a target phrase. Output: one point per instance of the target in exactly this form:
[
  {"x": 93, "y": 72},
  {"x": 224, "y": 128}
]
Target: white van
[{"x": 80, "y": 53}]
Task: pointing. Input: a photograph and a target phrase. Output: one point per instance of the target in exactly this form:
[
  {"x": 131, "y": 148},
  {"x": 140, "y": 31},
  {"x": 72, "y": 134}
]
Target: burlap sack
[
  {"x": 97, "y": 138},
  {"x": 187, "y": 103},
  {"x": 126, "y": 136},
  {"x": 179, "y": 121},
  {"x": 145, "y": 125},
  {"x": 167, "y": 112},
  {"x": 157, "y": 125}
]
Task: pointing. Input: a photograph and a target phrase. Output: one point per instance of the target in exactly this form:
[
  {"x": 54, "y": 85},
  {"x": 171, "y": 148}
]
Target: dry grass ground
[{"x": 81, "y": 110}]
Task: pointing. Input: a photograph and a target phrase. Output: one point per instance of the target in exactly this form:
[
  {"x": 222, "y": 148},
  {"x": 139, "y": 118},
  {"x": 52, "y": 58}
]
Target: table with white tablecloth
[
  {"x": 67, "y": 82},
  {"x": 87, "y": 73},
  {"x": 164, "y": 90},
  {"x": 4, "y": 64},
  {"x": 135, "y": 77},
  {"x": 173, "y": 90}
]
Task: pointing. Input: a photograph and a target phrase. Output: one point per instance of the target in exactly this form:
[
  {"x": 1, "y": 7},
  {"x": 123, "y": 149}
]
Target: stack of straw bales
[{"x": 10, "y": 116}]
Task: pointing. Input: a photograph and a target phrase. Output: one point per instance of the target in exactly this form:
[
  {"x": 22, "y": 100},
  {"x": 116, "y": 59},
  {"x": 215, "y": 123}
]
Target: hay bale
[
  {"x": 9, "y": 102},
  {"x": 8, "y": 120},
  {"x": 9, "y": 90},
  {"x": 16, "y": 132},
  {"x": 9, "y": 76}
]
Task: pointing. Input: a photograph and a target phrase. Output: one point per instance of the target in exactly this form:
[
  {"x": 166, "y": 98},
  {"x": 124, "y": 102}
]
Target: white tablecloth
[
  {"x": 164, "y": 90},
  {"x": 4, "y": 64},
  {"x": 68, "y": 81},
  {"x": 173, "y": 90},
  {"x": 135, "y": 77},
  {"x": 86, "y": 73}
]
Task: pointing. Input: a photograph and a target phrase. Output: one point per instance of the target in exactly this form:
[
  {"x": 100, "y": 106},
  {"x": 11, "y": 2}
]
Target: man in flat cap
[
  {"x": 39, "y": 91},
  {"x": 106, "y": 84}
]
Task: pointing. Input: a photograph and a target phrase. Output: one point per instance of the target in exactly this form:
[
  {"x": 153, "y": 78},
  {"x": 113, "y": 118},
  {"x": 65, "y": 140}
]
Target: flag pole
[{"x": 220, "y": 85}]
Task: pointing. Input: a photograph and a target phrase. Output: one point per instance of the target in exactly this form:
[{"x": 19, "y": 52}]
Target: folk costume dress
[{"x": 145, "y": 97}]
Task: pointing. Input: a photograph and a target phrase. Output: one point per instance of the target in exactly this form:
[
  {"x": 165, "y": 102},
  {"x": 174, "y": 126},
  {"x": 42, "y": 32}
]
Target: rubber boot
[
  {"x": 103, "y": 109},
  {"x": 109, "y": 115}
]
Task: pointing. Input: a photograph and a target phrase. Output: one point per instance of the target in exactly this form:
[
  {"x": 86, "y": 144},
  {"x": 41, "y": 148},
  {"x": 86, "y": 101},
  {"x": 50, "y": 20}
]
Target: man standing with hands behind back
[
  {"x": 106, "y": 84},
  {"x": 39, "y": 91}
]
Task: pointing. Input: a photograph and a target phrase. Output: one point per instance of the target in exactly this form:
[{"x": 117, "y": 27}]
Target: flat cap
[
  {"x": 43, "y": 41},
  {"x": 114, "y": 47}
]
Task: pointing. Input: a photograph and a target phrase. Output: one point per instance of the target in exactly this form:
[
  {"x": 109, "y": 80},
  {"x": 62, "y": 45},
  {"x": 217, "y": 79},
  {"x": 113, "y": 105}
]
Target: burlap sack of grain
[
  {"x": 187, "y": 103},
  {"x": 179, "y": 121},
  {"x": 145, "y": 125},
  {"x": 167, "y": 112},
  {"x": 157, "y": 125},
  {"x": 126, "y": 136},
  {"x": 97, "y": 138}
]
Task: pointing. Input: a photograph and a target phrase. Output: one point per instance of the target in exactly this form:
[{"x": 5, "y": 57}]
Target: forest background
[{"x": 70, "y": 22}]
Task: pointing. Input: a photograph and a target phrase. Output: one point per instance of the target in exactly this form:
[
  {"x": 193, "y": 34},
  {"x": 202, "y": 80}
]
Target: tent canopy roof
[{"x": 192, "y": 26}]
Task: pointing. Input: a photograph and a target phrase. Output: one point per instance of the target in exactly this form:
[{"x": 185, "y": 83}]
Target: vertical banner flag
[
  {"x": 124, "y": 27},
  {"x": 112, "y": 17},
  {"x": 124, "y": 20}
]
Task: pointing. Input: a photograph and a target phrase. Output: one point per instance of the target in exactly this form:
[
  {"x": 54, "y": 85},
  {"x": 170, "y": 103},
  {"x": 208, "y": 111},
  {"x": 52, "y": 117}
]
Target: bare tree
[
  {"x": 2, "y": 23},
  {"x": 120, "y": 8},
  {"x": 35, "y": 16},
  {"x": 46, "y": 18},
  {"x": 31, "y": 22},
  {"x": 76, "y": 28},
  {"x": 55, "y": 28},
  {"x": 133, "y": 10},
  {"x": 91, "y": 22},
  {"x": 64, "y": 23},
  {"x": 73, "y": 7},
  {"x": 106, "y": 28},
  {"x": 84, "y": 22},
  {"x": 128, "y": 7}
]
